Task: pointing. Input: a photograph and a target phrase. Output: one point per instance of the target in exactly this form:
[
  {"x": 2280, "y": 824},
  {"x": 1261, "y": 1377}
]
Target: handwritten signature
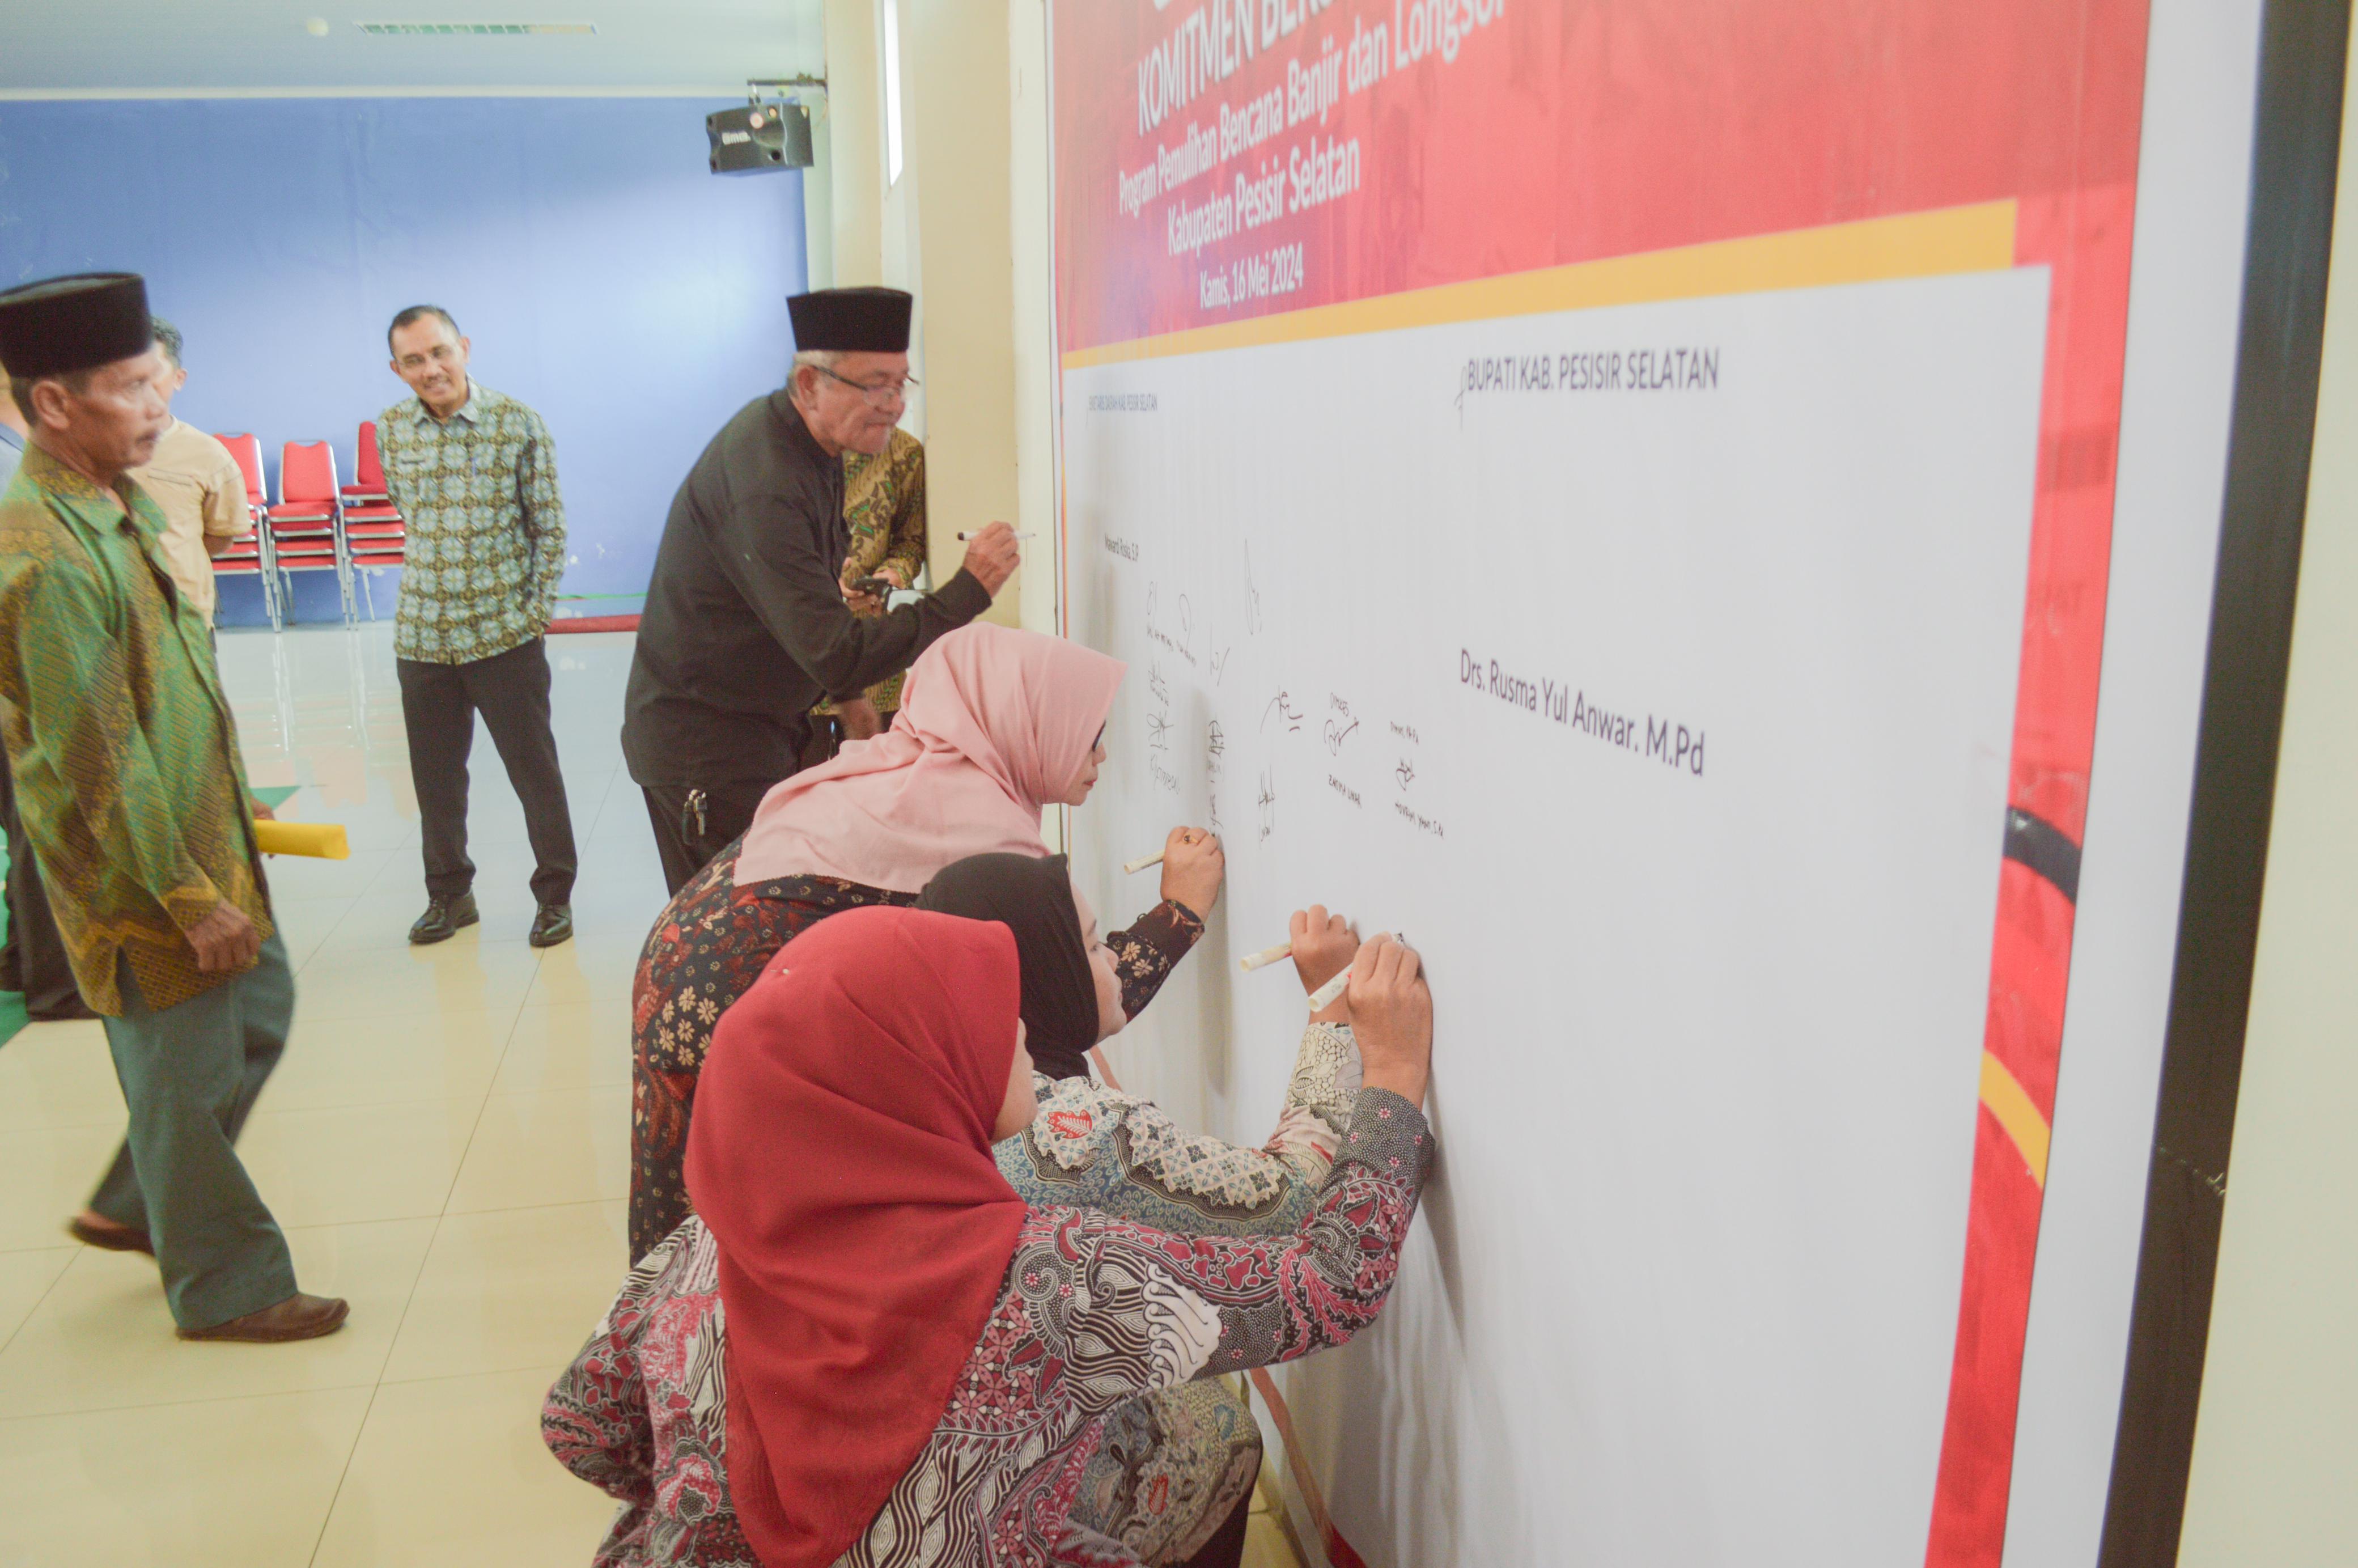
[{"x": 1283, "y": 705}]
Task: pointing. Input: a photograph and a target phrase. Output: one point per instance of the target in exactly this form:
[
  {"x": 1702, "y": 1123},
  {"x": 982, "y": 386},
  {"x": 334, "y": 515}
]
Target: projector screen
[{"x": 1635, "y": 497}]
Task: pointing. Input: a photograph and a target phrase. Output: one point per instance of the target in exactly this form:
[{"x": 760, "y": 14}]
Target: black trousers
[
  {"x": 439, "y": 704},
  {"x": 33, "y": 961},
  {"x": 693, "y": 824}
]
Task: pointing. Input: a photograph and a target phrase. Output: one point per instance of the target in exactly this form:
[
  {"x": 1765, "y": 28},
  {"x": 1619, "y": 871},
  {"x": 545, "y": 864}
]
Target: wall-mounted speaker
[{"x": 759, "y": 138}]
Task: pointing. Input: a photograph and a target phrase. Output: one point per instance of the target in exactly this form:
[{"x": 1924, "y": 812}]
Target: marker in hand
[
  {"x": 1267, "y": 955},
  {"x": 965, "y": 534},
  {"x": 1140, "y": 864},
  {"x": 1324, "y": 997}
]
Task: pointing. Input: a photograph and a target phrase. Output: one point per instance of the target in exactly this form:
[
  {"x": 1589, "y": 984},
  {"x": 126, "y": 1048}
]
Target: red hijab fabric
[{"x": 841, "y": 1156}]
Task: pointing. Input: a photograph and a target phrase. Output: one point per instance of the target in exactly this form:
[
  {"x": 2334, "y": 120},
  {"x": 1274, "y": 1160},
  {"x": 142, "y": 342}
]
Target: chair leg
[{"x": 265, "y": 568}]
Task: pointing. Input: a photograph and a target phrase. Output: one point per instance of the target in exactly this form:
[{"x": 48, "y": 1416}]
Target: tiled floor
[{"x": 445, "y": 1142}]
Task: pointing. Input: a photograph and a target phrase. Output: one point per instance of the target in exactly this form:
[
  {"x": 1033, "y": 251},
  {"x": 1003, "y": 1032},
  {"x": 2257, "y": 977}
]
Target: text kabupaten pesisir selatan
[
  {"x": 1219, "y": 39},
  {"x": 1312, "y": 176}
]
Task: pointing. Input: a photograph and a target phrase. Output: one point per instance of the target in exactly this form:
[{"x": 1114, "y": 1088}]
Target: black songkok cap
[
  {"x": 60, "y": 325},
  {"x": 851, "y": 321}
]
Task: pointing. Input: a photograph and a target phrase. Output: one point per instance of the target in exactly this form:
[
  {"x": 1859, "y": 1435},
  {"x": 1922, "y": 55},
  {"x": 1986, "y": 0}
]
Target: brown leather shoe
[
  {"x": 298, "y": 1317},
  {"x": 94, "y": 1230}
]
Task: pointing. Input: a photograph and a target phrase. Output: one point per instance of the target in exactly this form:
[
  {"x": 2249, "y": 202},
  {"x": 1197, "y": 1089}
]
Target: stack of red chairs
[
  {"x": 249, "y": 553},
  {"x": 307, "y": 525},
  {"x": 367, "y": 488},
  {"x": 374, "y": 533}
]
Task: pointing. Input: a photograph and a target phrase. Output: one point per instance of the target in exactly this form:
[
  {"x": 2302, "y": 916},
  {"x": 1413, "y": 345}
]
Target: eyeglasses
[{"x": 883, "y": 394}]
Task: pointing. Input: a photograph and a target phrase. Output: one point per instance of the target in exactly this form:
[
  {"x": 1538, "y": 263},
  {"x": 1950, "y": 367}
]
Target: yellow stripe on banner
[
  {"x": 1979, "y": 238},
  {"x": 2011, "y": 1104}
]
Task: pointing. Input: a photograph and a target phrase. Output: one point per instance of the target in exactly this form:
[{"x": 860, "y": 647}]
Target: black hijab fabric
[{"x": 1033, "y": 897}]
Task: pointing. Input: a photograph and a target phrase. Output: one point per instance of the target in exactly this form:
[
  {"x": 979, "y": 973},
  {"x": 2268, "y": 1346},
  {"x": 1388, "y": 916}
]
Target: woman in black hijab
[{"x": 1072, "y": 994}]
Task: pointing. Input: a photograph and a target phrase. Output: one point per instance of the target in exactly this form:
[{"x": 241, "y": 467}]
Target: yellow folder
[{"x": 322, "y": 840}]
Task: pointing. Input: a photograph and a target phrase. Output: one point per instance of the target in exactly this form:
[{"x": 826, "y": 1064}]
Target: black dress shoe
[
  {"x": 553, "y": 925},
  {"x": 443, "y": 919},
  {"x": 298, "y": 1317},
  {"x": 96, "y": 1231}
]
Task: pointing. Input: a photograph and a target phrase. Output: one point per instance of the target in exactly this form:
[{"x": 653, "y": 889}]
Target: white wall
[
  {"x": 942, "y": 230},
  {"x": 2275, "y": 1483},
  {"x": 1030, "y": 219}
]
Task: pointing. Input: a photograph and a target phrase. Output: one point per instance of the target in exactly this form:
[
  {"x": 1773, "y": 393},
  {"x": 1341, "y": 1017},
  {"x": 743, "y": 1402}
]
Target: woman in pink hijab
[{"x": 995, "y": 724}]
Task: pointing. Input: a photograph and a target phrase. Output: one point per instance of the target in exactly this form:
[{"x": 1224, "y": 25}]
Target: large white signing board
[{"x": 1652, "y": 668}]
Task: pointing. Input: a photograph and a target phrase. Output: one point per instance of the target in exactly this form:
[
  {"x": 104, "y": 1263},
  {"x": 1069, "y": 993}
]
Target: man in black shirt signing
[{"x": 745, "y": 625}]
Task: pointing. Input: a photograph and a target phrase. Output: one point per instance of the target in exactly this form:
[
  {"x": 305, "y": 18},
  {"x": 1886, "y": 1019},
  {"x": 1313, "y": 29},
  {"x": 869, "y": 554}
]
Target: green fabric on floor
[{"x": 12, "y": 1005}]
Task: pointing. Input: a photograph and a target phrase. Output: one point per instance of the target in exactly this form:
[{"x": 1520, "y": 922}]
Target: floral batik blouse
[
  {"x": 1173, "y": 1465},
  {"x": 1094, "y": 1312},
  {"x": 711, "y": 942}
]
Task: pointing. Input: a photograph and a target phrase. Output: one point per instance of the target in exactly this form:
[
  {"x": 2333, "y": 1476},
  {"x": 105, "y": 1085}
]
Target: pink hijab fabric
[{"x": 994, "y": 724}]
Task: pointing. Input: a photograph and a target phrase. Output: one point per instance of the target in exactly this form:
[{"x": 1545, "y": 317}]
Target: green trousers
[{"x": 189, "y": 1074}]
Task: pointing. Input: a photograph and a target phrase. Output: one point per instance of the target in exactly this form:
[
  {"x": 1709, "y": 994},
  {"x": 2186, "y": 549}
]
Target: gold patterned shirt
[
  {"x": 478, "y": 498},
  {"x": 127, "y": 773},
  {"x": 885, "y": 502}
]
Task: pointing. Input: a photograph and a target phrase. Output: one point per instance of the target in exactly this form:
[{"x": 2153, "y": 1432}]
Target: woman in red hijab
[
  {"x": 916, "y": 1365},
  {"x": 995, "y": 724}
]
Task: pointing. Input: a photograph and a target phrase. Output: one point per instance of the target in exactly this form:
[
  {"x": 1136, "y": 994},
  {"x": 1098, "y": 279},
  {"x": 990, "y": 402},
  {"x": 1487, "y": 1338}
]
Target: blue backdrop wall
[{"x": 604, "y": 277}]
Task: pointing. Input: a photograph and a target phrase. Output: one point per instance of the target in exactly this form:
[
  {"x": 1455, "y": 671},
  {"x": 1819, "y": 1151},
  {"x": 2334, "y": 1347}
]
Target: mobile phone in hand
[{"x": 876, "y": 587}]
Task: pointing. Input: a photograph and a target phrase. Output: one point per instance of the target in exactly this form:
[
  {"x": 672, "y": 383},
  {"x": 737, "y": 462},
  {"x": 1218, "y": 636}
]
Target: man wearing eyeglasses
[
  {"x": 748, "y": 572},
  {"x": 474, "y": 474}
]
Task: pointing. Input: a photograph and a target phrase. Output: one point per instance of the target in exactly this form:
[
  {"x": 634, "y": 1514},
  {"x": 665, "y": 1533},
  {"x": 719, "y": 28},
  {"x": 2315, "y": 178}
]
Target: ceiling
[{"x": 162, "y": 45}]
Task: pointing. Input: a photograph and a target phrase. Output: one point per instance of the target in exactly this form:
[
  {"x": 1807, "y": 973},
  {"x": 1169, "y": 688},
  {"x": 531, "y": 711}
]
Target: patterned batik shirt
[
  {"x": 711, "y": 942},
  {"x": 486, "y": 527},
  {"x": 1094, "y": 1312},
  {"x": 1172, "y": 1464},
  {"x": 1095, "y": 1147},
  {"x": 885, "y": 506},
  {"x": 128, "y": 778}
]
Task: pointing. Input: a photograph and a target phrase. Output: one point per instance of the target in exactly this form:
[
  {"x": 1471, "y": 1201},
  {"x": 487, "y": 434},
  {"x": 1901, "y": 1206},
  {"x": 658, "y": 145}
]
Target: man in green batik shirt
[
  {"x": 474, "y": 474},
  {"x": 884, "y": 507},
  {"x": 131, "y": 792}
]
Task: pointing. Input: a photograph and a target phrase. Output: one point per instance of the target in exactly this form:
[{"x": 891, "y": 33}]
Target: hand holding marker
[
  {"x": 1321, "y": 998},
  {"x": 993, "y": 553},
  {"x": 1194, "y": 866},
  {"x": 1324, "y": 948},
  {"x": 1324, "y": 997}
]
